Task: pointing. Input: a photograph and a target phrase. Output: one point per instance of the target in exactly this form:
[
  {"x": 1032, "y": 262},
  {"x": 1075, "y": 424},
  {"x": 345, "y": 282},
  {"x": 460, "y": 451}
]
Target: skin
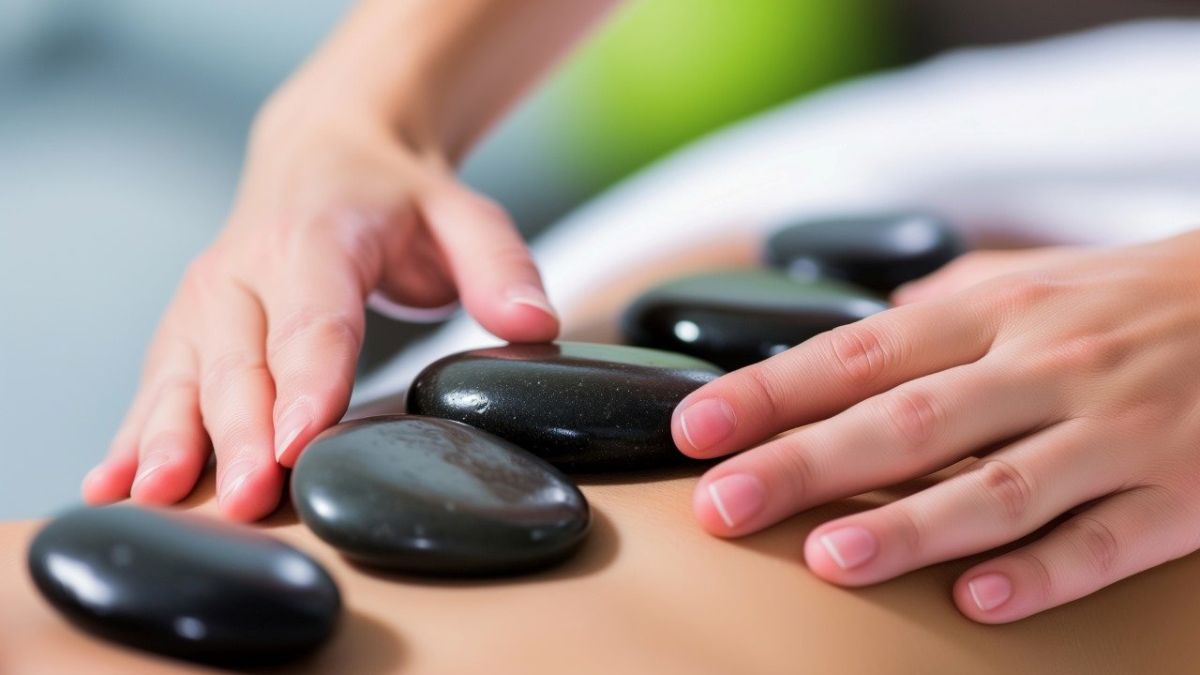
[
  {"x": 1073, "y": 375},
  {"x": 348, "y": 189},
  {"x": 1083, "y": 362}
]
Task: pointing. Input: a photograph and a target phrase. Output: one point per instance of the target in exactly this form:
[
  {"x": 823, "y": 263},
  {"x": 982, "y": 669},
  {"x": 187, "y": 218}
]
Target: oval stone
[
  {"x": 433, "y": 496},
  {"x": 737, "y": 318},
  {"x": 184, "y": 585},
  {"x": 878, "y": 252},
  {"x": 582, "y": 407}
]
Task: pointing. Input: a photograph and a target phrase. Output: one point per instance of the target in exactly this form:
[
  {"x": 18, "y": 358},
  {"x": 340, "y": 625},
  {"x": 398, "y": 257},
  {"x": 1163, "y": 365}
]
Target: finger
[
  {"x": 236, "y": 397},
  {"x": 110, "y": 480},
  {"x": 972, "y": 268},
  {"x": 828, "y": 373},
  {"x": 173, "y": 445},
  {"x": 997, "y": 500},
  {"x": 113, "y": 478},
  {"x": 909, "y": 431},
  {"x": 1121, "y": 536},
  {"x": 416, "y": 273},
  {"x": 496, "y": 277},
  {"x": 315, "y": 324}
]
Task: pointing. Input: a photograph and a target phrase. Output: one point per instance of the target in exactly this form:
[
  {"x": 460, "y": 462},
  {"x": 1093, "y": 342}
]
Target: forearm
[{"x": 441, "y": 71}]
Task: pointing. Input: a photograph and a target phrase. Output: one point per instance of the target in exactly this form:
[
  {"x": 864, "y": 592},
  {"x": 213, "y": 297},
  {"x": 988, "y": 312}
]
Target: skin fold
[{"x": 1073, "y": 375}]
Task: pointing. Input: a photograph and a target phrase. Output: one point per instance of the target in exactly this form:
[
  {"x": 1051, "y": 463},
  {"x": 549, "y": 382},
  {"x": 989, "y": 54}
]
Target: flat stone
[
  {"x": 432, "y": 496},
  {"x": 878, "y": 252},
  {"x": 736, "y": 318},
  {"x": 582, "y": 407},
  {"x": 184, "y": 585}
]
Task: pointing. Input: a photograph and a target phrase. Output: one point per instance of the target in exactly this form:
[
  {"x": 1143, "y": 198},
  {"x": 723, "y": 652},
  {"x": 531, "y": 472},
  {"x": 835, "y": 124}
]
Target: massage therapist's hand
[
  {"x": 1073, "y": 374},
  {"x": 348, "y": 188}
]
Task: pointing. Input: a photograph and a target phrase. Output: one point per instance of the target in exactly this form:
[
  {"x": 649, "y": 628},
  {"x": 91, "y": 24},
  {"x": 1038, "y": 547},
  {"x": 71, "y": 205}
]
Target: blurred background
[{"x": 122, "y": 125}]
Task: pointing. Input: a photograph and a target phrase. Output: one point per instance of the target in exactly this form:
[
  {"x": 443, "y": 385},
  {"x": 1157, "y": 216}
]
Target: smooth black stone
[
  {"x": 432, "y": 496},
  {"x": 184, "y": 585},
  {"x": 878, "y": 252},
  {"x": 582, "y": 407},
  {"x": 737, "y": 318}
]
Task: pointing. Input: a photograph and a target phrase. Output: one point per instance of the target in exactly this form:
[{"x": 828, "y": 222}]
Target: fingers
[
  {"x": 173, "y": 445},
  {"x": 829, "y": 373},
  {"x": 110, "y": 480},
  {"x": 496, "y": 277},
  {"x": 1121, "y": 536},
  {"x": 995, "y": 501},
  {"x": 909, "y": 431},
  {"x": 316, "y": 324},
  {"x": 236, "y": 397},
  {"x": 972, "y": 268}
]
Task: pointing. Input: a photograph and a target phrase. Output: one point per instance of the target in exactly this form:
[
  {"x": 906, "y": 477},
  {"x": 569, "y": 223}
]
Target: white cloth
[{"x": 1092, "y": 137}]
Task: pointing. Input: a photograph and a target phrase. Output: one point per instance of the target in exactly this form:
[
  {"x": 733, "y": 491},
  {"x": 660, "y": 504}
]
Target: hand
[
  {"x": 256, "y": 352},
  {"x": 1075, "y": 380}
]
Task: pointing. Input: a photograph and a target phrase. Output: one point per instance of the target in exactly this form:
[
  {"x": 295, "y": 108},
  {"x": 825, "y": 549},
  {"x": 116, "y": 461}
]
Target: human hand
[
  {"x": 1075, "y": 379},
  {"x": 256, "y": 353}
]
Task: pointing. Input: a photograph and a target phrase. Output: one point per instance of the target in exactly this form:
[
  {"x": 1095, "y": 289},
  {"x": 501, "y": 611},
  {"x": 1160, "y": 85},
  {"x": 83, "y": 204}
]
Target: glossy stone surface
[
  {"x": 433, "y": 496},
  {"x": 582, "y": 407},
  {"x": 184, "y": 585},
  {"x": 736, "y": 318},
  {"x": 877, "y": 252}
]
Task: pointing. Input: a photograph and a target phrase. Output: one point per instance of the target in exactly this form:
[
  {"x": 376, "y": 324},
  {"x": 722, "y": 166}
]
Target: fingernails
[
  {"x": 530, "y": 295},
  {"x": 737, "y": 497},
  {"x": 990, "y": 590},
  {"x": 290, "y": 426},
  {"x": 233, "y": 480},
  {"x": 707, "y": 422},
  {"x": 849, "y": 546}
]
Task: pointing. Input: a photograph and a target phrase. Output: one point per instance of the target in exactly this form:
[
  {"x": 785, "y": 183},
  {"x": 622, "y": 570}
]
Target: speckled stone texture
[
  {"x": 878, "y": 252},
  {"x": 735, "y": 318},
  {"x": 583, "y": 407},
  {"x": 184, "y": 585},
  {"x": 432, "y": 496}
]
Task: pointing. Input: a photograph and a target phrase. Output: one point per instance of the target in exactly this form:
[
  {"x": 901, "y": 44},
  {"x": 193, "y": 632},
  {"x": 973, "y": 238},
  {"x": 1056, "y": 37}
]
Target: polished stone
[
  {"x": 432, "y": 496},
  {"x": 878, "y": 252},
  {"x": 582, "y": 407},
  {"x": 184, "y": 585},
  {"x": 736, "y": 318}
]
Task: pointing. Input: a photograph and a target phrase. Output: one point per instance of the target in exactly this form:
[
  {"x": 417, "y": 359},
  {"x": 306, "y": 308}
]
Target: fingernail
[
  {"x": 234, "y": 478},
  {"x": 737, "y": 497},
  {"x": 707, "y": 422},
  {"x": 293, "y": 423},
  {"x": 530, "y": 295},
  {"x": 849, "y": 546},
  {"x": 149, "y": 465},
  {"x": 990, "y": 590}
]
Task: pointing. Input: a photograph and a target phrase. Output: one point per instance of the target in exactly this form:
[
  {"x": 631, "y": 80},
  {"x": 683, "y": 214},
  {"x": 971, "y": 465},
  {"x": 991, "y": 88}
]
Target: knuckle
[
  {"x": 225, "y": 370},
  {"x": 1090, "y": 354},
  {"x": 761, "y": 388},
  {"x": 1037, "y": 572},
  {"x": 914, "y": 413},
  {"x": 324, "y": 331},
  {"x": 1006, "y": 486},
  {"x": 168, "y": 442},
  {"x": 1019, "y": 291},
  {"x": 863, "y": 351},
  {"x": 904, "y": 524},
  {"x": 1097, "y": 543},
  {"x": 795, "y": 467}
]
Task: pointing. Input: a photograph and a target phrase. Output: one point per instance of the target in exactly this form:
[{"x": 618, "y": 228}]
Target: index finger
[{"x": 829, "y": 373}]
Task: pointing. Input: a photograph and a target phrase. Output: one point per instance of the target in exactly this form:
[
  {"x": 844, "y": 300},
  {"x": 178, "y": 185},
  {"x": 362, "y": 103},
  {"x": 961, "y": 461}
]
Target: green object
[{"x": 664, "y": 72}]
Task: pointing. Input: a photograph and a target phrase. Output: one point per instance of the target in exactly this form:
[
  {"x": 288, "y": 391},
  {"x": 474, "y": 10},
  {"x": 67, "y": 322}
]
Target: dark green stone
[
  {"x": 736, "y": 318},
  {"x": 433, "y": 496},
  {"x": 582, "y": 407},
  {"x": 878, "y": 252}
]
